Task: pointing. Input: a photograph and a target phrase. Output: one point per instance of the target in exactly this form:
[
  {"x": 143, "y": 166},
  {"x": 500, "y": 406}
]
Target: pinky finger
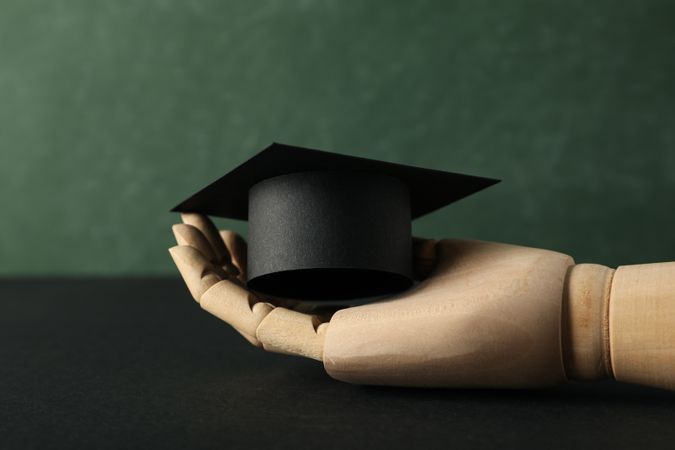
[{"x": 236, "y": 245}]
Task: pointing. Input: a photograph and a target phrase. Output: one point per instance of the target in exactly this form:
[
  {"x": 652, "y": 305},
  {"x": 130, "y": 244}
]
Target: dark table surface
[{"x": 136, "y": 364}]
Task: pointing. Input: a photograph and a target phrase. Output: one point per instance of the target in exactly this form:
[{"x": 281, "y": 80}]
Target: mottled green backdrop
[{"x": 113, "y": 111}]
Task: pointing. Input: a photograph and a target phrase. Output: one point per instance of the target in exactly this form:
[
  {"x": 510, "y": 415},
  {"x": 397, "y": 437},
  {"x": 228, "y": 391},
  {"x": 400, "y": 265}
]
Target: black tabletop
[{"x": 136, "y": 364}]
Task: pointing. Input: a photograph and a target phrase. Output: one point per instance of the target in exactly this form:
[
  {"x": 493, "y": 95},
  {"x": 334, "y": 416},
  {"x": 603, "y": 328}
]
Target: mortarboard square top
[{"x": 328, "y": 226}]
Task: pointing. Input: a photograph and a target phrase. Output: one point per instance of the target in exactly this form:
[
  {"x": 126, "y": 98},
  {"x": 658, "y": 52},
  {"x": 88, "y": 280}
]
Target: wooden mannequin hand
[{"x": 483, "y": 315}]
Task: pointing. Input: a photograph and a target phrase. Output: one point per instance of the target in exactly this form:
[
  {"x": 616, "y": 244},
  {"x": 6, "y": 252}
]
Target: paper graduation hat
[{"x": 328, "y": 226}]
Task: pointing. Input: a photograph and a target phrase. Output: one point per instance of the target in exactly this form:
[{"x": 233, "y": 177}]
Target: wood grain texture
[
  {"x": 292, "y": 333},
  {"x": 585, "y": 323},
  {"x": 642, "y": 324},
  {"x": 489, "y": 316}
]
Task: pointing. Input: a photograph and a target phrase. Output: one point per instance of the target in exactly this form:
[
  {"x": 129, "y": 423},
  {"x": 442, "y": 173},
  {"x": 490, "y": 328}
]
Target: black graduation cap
[{"x": 328, "y": 226}]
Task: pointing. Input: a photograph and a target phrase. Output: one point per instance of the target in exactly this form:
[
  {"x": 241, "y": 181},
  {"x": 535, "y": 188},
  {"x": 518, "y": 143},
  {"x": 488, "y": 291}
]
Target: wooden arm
[{"x": 620, "y": 323}]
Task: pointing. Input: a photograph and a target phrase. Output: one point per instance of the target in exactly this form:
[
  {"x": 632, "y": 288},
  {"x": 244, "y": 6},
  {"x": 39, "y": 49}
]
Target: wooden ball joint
[{"x": 483, "y": 315}]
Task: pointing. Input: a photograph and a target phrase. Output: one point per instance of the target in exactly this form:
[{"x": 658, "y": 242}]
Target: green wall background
[{"x": 113, "y": 111}]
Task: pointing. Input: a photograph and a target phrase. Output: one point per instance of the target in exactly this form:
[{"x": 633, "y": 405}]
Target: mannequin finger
[
  {"x": 188, "y": 235},
  {"x": 234, "y": 305},
  {"x": 424, "y": 257},
  {"x": 292, "y": 333},
  {"x": 210, "y": 232},
  {"x": 281, "y": 302},
  {"x": 236, "y": 246},
  {"x": 275, "y": 329},
  {"x": 196, "y": 270}
]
